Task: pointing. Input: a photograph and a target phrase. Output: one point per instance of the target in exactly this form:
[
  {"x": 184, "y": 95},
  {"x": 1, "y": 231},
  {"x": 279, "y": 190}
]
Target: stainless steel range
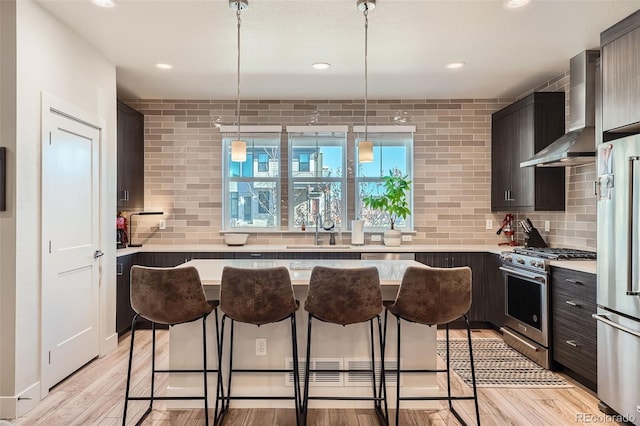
[{"x": 526, "y": 274}]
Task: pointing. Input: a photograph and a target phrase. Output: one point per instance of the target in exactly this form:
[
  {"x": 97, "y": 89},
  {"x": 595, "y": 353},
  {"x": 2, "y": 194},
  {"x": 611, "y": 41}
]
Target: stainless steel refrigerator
[{"x": 618, "y": 315}]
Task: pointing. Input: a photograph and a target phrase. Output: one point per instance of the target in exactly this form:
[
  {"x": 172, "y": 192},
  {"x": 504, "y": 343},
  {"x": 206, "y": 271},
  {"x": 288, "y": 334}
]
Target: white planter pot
[{"x": 392, "y": 238}]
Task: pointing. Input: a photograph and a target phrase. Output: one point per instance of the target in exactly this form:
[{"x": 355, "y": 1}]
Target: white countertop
[
  {"x": 588, "y": 266},
  {"x": 265, "y": 248},
  {"x": 390, "y": 271}
]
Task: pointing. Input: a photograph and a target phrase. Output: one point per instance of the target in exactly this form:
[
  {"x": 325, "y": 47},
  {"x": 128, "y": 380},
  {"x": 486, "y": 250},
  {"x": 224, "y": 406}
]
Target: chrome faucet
[{"x": 318, "y": 241}]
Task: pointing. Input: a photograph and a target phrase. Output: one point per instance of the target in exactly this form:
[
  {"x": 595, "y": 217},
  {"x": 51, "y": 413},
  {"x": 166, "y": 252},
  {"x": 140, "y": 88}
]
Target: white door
[{"x": 70, "y": 238}]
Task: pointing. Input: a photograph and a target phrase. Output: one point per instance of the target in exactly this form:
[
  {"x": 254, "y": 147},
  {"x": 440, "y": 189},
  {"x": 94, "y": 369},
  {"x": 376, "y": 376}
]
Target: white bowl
[{"x": 235, "y": 239}]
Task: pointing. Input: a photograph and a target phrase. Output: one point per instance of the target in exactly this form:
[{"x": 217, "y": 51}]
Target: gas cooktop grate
[{"x": 557, "y": 253}]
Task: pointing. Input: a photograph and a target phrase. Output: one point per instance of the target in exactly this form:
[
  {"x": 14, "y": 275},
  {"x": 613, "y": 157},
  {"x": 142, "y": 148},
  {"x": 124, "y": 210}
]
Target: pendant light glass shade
[
  {"x": 239, "y": 151},
  {"x": 238, "y": 146},
  {"x": 365, "y": 147},
  {"x": 365, "y": 152}
]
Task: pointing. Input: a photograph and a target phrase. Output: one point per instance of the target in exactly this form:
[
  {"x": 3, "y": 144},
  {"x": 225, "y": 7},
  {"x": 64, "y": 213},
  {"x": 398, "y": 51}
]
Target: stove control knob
[
  {"x": 533, "y": 263},
  {"x": 520, "y": 260},
  {"x": 507, "y": 257}
]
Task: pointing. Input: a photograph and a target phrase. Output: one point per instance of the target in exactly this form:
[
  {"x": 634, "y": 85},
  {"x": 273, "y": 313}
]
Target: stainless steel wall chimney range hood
[{"x": 578, "y": 145}]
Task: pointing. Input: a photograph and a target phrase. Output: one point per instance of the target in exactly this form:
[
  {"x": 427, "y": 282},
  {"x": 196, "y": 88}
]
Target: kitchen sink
[{"x": 314, "y": 247}]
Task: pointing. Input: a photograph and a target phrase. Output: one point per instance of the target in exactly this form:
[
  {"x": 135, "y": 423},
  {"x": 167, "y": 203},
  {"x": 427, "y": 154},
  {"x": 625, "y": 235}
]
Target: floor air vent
[
  {"x": 318, "y": 378},
  {"x": 351, "y": 379},
  {"x": 356, "y": 378}
]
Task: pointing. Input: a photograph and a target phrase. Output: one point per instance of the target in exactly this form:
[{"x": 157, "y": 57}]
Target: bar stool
[
  {"x": 257, "y": 296},
  {"x": 346, "y": 296},
  {"x": 433, "y": 296},
  {"x": 168, "y": 296}
]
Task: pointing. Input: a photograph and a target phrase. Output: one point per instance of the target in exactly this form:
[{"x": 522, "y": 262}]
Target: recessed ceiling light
[
  {"x": 321, "y": 65},
  {"x": 164, "y": 66},
  {"x": 513, "y": 4},
  {"x": 455, "y": 65},
  {"x": 105, "y": 3}
]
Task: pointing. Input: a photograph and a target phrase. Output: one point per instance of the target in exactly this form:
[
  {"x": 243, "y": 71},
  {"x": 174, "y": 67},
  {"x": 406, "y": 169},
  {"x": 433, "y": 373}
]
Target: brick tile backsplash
[{"x": 452, "y": 160}]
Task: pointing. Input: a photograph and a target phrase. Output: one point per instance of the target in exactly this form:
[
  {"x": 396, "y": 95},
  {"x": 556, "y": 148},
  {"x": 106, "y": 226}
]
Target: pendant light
[
  {"x": 238, "y": 146},
  {"x": 365, "y": 147}
]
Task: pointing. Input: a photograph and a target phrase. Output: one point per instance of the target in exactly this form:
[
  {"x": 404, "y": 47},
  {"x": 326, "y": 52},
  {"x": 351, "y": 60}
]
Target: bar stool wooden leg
[
  {"x": 204, "y": 370},
  {"x": 128, "y": 387},
  {"x": 398, "y": 375},
  {"x": 383, "y": 379},
  {"x": 473, "y": 370},
  {"x": 305, "y": 403},
  {"x": 296, "y": 371}
]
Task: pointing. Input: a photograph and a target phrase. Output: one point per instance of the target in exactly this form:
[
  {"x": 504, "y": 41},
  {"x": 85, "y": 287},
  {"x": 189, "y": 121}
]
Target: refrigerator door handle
[
  {"x": 633, "y": 241},
  {"x": 604, "y": 319}
]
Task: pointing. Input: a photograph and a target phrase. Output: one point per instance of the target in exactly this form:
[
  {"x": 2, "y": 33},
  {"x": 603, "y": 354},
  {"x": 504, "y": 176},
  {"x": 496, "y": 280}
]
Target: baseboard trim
[{"x": 109, "y": 345}]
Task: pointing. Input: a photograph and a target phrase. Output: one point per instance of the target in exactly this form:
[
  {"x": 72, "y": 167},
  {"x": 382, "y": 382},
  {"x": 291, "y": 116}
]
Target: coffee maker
[
  {"x": 121, "y": 231},
  {"x": 507, "y": 230}
]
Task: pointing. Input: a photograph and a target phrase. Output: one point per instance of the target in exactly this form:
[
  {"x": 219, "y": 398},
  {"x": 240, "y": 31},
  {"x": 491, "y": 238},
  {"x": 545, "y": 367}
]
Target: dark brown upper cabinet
[
  {"x": 620, "y": 63},
  {"x": 130, "y": 158},
  {"x": 519, "y": 131}
]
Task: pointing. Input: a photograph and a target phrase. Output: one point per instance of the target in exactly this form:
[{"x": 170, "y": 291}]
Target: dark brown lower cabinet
[
  {"x": 573, "y": 301},
  {"x": 480, "y": 287},
  {"x": 494, "y": 300},
  {"x": 124, "y": 313}
]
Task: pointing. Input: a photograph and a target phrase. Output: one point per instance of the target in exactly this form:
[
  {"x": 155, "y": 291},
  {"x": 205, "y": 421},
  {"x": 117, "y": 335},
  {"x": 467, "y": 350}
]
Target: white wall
[
  {"x": 8, "y": 217},
  {"x": 53, "y": 59}
]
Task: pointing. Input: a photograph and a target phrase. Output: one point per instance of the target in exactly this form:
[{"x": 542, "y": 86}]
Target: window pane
[
  {"x": 252, "y": 204},
  {"x": 317, "y": 154},
  {"x": 390, "y": 156},
  {"x": 316, "y": 177},
  {"x": 263, "y": 156},
  {"x": 375, "y": 218},
  {"x": 263, "y": 162},
  {"x": 311, "y": 199},
  {"x": 389, "y": 152},
  {"x": 251, "y": 187}
]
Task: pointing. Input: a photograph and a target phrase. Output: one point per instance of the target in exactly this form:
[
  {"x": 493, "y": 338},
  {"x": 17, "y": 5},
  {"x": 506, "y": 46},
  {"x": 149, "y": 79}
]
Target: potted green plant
[{"x": 392, "y": 201}]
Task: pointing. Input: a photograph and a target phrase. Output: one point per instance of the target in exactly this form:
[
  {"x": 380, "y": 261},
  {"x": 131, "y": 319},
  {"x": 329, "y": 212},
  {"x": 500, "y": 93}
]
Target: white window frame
[
  {"x": 376, "y": 134},
  {"x": 229, "y": 133},
  {"x": 320, "y": 131}
]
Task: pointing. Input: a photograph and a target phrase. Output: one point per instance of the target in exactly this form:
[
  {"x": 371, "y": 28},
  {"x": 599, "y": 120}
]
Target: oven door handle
[
  {"x": 527, "y": 344},
  {"x": 521, "y": 274}
]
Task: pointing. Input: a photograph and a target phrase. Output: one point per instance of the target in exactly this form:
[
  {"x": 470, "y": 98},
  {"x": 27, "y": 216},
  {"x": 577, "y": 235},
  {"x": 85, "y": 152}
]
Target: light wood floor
[{"x": 94, "y": 396}]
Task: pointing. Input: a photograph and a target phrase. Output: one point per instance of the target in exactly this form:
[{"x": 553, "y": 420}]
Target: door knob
[{"x": 97, "y": 254}]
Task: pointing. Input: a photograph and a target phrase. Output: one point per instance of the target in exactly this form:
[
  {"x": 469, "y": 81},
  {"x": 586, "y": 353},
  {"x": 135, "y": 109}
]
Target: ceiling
[{"x": 506, "y": 51}]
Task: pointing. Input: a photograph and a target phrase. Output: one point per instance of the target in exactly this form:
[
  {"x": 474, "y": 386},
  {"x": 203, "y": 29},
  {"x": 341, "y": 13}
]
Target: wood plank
[{"x": 95, "y": 395}]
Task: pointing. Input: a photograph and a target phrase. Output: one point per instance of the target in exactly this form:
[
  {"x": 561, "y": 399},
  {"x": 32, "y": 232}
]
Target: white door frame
[{"x": 52, "y": 104}]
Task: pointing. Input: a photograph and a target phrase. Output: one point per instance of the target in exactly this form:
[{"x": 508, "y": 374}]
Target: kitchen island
[{"x": 348, "y": 348}]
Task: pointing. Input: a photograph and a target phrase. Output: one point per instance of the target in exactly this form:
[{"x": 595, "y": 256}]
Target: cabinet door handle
[
  {"x": 572, "y": 343},
  {"x": 123, "y": 196},
  {"x": 126, "y": 195},
  {"x": 506, "y": 195},
  {"x": 119, "y": 269},
  {"x": 569, "y": 302},
  {"x": 570, "y": 280},
  {"x": 256, "y": 254}
]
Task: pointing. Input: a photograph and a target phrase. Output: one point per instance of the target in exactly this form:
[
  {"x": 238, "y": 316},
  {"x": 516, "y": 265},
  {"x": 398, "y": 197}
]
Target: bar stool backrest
[
  {"x": 168, "y": 295},
  {"x": 344, "y": 295},
  {"x": 433, "y": 295},
  {"x": 257, "y": 296}
]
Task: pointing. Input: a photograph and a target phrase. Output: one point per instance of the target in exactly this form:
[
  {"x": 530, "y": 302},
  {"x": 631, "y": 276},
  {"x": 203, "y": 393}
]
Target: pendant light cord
[
  {"x": 366, "y": 82},
  {"x": 238, "y": 87}
]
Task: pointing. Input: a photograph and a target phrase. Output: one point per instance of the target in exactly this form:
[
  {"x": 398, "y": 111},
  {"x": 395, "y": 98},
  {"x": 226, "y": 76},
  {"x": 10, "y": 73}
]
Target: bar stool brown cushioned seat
[
  {"x": 168, "y": 296},
  {"x": 345, "y": 296},
  {"x": 258, "y": 296},
  {"x": 434, "y": 296}
]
